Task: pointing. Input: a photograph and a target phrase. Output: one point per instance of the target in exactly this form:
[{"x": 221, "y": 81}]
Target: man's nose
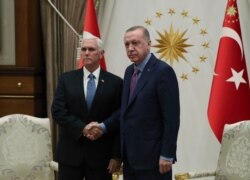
[
  {"x": 86, "y": 51},
  {"x": 130, "y": 47}
]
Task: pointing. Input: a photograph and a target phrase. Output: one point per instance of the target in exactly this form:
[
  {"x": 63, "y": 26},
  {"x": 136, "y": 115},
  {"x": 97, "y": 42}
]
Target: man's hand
[
  {"x": 114, "y": 165},
  {"x": 164, "y": 166},
  {"x": 92, "y": 131}
]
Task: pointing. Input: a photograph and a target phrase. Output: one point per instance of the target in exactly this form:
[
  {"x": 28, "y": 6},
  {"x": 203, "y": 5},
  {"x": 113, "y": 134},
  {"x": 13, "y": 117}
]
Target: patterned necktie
[
  {"x": 91, "y": 87},
  {"x": 133, "y": 81}
]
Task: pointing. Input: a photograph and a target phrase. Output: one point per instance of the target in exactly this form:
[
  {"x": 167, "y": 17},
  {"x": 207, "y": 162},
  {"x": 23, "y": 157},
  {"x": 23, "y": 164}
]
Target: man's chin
[
  {"x": 87, "y": 63},
  {"x": 133, "y": 59}
]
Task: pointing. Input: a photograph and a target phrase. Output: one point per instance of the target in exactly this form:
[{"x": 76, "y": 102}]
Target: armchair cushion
[
  {"x": 26, "y": 149},
  {"x": 234, "y": 157}
]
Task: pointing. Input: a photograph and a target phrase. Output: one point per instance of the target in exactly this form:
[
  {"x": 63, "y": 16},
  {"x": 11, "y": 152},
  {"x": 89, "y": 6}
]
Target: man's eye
[
  {"x": 88, "y": 49},
  {"x": 135, "y": 43},
  {"x": 91, "y": 49}
]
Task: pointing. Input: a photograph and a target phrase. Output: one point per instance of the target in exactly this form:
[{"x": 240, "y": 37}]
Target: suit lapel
[
  {"x": 80, "y": 89},
  {"x": 99, "y": 89},
  {"x": 126, "y": 85},
  {"x": 145, "y": 76}
]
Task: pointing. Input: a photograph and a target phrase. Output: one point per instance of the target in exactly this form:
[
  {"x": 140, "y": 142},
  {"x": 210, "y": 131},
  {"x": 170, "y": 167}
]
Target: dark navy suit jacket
[
  {"x": 150, "y": 120},
  {"x": 69, "y": 110}
]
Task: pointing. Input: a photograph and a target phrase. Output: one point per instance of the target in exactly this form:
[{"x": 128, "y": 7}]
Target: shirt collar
[
  {"x": 96, "y": 73},
  {"x": 142, "y": 65}
]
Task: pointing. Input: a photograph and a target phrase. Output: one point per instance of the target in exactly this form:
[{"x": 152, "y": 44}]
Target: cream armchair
[
  {"x": 234, "y": 157},
  {"x": 25, "y": 148}
]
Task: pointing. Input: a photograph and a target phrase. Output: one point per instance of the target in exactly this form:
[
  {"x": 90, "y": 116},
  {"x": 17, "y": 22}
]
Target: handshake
[{"x": 93, "y": 131}]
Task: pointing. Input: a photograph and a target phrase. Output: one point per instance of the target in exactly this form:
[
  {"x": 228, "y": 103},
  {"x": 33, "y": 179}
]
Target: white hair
[{"x": 87, "y": 35}]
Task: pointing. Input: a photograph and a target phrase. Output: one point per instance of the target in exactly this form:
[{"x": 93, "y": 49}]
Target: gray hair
[
  {"x": 145, "y": 31},
  {"x": 87, "y": 35}
]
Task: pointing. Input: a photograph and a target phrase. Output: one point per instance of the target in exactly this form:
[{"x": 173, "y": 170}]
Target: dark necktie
[
  {"x": 91, "y": 87},
  {"x": 133, "y": 81}
]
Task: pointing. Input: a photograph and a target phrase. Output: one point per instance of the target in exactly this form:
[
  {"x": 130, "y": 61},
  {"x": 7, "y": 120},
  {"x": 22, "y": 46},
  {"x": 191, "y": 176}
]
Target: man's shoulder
[
  {"x": 111, "y": 76},
  {"x": 71, "y": 74},
  {"x": 163, "y": 64}
]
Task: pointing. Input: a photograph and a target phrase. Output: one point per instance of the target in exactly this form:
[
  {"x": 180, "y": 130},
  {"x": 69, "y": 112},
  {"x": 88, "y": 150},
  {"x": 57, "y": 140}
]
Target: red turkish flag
[
  {"x": 91, "y": 26},
  {"x": 230, "y": 93}
]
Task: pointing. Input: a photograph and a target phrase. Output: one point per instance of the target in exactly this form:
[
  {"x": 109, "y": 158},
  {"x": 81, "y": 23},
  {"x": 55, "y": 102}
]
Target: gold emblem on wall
[{"x": 179, "y": 39}]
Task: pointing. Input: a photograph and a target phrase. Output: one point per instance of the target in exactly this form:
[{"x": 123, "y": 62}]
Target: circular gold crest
[{"x": 179, "y": 39}]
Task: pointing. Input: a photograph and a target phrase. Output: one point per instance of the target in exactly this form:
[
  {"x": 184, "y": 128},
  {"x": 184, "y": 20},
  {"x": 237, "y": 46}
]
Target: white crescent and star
[{"x": 237, "y": 77}]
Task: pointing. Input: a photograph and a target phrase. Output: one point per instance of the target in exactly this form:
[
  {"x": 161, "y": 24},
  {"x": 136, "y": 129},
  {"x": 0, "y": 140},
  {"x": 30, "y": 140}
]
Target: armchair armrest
[
  {"x": 115, "y": 175},
  {"x": 194, "y": 175},
  {"x": 53, "y": 165}
]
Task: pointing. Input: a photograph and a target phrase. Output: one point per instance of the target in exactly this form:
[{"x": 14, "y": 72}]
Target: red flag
[
  {"x": 230, "y": 93},
  {"x": 91, "y": 26}
]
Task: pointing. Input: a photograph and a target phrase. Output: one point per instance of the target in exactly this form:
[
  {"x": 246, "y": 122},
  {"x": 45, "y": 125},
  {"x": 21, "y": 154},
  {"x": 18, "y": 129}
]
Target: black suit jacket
[
  {"x": 69, "y": 110},
  {"x": 150, "y": 120}
]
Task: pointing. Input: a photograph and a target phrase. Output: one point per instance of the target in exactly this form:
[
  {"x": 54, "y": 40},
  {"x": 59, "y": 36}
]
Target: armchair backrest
[
  {"x": 234, "y": 158},
  {"x": 25, "y": 148}
]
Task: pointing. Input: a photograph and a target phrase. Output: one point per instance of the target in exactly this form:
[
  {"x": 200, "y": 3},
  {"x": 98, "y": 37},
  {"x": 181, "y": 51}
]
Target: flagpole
[
  {"x": 64, "y": 19},
  {"x": 78, "y": 49}
]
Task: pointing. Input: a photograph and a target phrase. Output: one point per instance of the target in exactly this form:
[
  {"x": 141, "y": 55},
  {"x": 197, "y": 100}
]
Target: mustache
[
  {"x": 86, "y": 58},
  {"x": 132, "y": 53}
]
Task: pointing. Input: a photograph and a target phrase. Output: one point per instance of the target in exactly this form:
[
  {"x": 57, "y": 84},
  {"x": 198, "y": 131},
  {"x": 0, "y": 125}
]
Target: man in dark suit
[
  {"x": 150, "y": 113},
  {"x": 78, "y": 155}
]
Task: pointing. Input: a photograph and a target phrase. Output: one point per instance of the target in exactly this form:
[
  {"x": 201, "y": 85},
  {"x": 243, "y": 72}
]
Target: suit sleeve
[
  {"x": 61, "y": 114},
  {"x": 112, "y": 123},
  {"x": 168, "y": 94}
]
